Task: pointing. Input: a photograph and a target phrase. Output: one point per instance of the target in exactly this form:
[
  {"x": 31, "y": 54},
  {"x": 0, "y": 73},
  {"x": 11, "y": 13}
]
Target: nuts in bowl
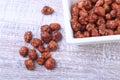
[{"x": 92, "y": 21}]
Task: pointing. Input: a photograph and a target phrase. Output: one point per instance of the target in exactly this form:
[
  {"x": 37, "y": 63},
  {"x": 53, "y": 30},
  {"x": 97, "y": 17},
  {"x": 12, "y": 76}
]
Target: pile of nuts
[
  {"x": 50, "y": 35},
  {"x": 95, "y": 18}
]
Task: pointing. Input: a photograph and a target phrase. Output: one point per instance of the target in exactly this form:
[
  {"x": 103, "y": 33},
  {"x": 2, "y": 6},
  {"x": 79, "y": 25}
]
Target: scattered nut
[
  {"x": 40, "y": 61},
  {"x": 45, "y": 28},
  {"x": 57, "y": 36},
  {"x": 52, "y": 45},
  {"x": 46, "y": 37},
  {"x": 23, "y": 51},
  {"x": 47, "y": 10},
  {"x": 41, "y": 48},
  {"x": 55, "y": 26},
  {"x": 35, "y": 42},
  {"x": 50, "y": 63},
  {"x": 29, "y": 64},
  {"x": 46, "y": 55},
  {"x": 32, "y": 54},
  {"x": 28, "y": 36}
]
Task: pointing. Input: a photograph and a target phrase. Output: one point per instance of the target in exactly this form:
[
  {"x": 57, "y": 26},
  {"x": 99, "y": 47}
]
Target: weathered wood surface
[{"x": 88, "y": 62}]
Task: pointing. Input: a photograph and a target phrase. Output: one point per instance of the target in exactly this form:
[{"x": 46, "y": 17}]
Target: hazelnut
[
  {"x": 40, "y": 61},
  {"x": 47, "y": 10},
  {"x": 94, "y": 32},
  {"x": 109, "y": 32},
  {"x": 46, "y": 37},
  {"x": 117, "y": 1},
  {"x": 99, "y": 11},
  {"x": 102, "y": 29},
  {"x": 100, "y": 21},
  {"x": 45, "y": 28},
  {"x": 115, "y": 6},
  {"x": 108, "y": 16},
  {"x": 113, "y": 13},
  {"x": 99, "y": 3},
  {"x": 90, "y": 26},
  {"x": 32, "y": 54},
  {"x": 87, "y": 5},
  {"x": 118, "y": 13},
  {"x": 108, "y": 1},
  {"x": 29, "y": 64},
  {"x": 52, "y": 45},
  {"x": 86, "y": 34},
  {"x": 50, "y": 63},
  {"x": 55, "y": 26},
  {"x": 35, "y": 42},
  {"x": 78, "y": 34},
  {"x": 76, "y": 26},
  {"x": 23, "y": 51},
  {"x": 28, "y": 36},
  {"x": 93, "y": 18},
  {"x": 106, "y": 8},
  {"x": 75, "y": 10},
  {"x": 41, "y": 48},
  {"x": 57, "y": 36},
  {"x": 46, "y": 55},
  {"x": 111, "y": 24}
]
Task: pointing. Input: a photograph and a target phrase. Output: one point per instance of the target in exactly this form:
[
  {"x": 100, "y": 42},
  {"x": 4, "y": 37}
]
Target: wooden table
[{"x": 87, "y": 62}]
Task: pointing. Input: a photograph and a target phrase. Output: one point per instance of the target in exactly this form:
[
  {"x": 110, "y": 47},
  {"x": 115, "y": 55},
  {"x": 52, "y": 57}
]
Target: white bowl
[{"x": 80, "y": 41}]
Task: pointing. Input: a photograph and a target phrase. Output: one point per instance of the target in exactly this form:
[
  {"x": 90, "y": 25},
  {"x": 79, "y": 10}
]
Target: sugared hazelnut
[
  {"x": 52, "y": 45},
  {"x": 29, "y": 64},
  {"x": 99, "y": 11},
  {"x": 45, "y": 28},
  {"x": 55, "y": 26},
  {"x": 50, "y": 63},
  {"x": 23, "y": 51},
  {"x": 57, "y": 36},
  {"x": 46, "y": 55},
  {"x": 35, "y": 42},
  {"x": 46, "y": 37},
  {"x": 28, "y": 36},
  {"x": 32, "y": 54},
  {"x": 40, "y": 60},
  {"x": 46, "y": 10}
]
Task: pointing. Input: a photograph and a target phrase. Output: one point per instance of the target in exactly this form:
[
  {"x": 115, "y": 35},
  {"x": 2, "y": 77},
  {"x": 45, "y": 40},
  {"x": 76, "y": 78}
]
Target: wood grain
[{"x": 86, "y": 62}]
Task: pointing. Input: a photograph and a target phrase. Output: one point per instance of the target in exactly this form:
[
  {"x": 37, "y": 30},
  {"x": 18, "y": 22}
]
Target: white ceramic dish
[{"x": 80, "y": 41}]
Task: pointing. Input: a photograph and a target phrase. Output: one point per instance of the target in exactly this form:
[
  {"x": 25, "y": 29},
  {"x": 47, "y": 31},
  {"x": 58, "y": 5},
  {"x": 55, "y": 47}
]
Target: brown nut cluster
[
  {"x": 95, "y": 18},
  {"x": 47, "y": 10},
  {"x": 50, "y": 35}
]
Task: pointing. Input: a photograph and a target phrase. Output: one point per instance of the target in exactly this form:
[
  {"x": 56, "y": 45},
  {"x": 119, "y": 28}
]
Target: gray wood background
[{"x": 86, "y": 62}]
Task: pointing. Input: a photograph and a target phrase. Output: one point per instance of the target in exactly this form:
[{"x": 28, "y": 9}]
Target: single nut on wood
[
  {"x": 46, "y": 55},
  {"x": 40, "y": 60},
  {"x": 32, "y": 54},
  {"x": 47, "y": 10},
  {"x": 29, "y": 64},
  {"x": 23, "y": 51},
  {"x": 50, "y": 63},
  {"x": 27, "y": 36},
  {"x": 35, "y": 42},
  {"x": 52, "y": 45}
]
